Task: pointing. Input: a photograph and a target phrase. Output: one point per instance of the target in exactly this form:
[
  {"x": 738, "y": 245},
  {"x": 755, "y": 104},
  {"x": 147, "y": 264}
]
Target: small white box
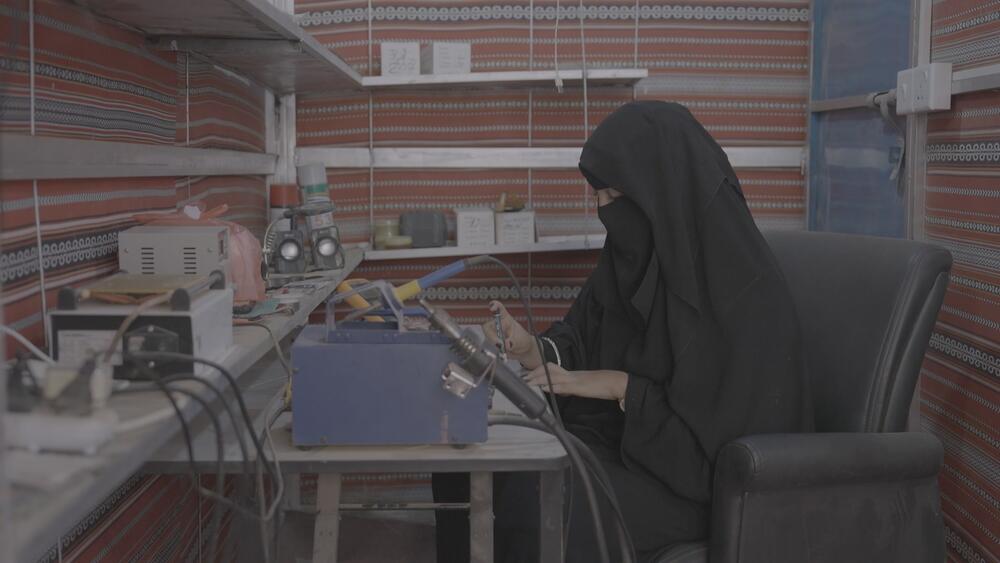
[
  {"x": 400, "y": 59},
  {"x": 446, "y": 58},
  {"x": 515, "y": 228},
  {"x": 474, "y": 227}
]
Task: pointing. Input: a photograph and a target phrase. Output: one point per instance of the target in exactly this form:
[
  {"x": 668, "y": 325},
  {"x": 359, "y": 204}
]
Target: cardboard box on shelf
[
  {"x": 475, "y": 227},
  {"x": 515, "y": 228},
  {"x": 446, "y": 58}
]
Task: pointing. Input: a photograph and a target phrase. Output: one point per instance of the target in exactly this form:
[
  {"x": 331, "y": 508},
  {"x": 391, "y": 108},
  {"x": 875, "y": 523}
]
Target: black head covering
[{"x": 720, "y": 334}]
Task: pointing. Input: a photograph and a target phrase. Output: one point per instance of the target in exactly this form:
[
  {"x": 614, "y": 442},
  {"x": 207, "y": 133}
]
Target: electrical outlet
[{"x": 923, "y": 89}]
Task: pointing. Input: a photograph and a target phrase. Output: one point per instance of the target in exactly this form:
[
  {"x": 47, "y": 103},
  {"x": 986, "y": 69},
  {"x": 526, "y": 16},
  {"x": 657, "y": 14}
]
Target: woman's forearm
[
  {"x": 596, "y": 384},
  {"x": 613, "y": 383}
]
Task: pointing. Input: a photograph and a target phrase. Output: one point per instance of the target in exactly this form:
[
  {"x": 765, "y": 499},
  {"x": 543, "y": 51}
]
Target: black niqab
[
  {"x": 693, "y": 304},
  {"x": 625, "y": 262}
]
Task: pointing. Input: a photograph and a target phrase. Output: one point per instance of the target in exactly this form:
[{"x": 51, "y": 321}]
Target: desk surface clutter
[
  {"x": 63, "y": 495},
  {"x": 53, "y": 492}
]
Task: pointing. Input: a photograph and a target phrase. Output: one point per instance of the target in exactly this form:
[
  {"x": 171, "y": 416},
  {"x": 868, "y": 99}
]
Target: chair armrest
[
  {"x": 788, "y": 461},
  {"x": 799, "y": 497}
]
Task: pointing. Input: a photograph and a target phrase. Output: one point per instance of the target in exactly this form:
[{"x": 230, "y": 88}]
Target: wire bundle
[
  {"x": 583, "y": 460},
  {"x": 169, "y": 386}
]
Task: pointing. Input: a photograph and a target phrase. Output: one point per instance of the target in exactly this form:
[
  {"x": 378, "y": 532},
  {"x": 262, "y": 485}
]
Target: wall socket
[{"x": 923, "y": 89}]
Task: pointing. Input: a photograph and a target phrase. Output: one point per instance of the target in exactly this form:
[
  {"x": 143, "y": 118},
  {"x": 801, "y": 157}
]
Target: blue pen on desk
[{"x": 497, "y": 319}]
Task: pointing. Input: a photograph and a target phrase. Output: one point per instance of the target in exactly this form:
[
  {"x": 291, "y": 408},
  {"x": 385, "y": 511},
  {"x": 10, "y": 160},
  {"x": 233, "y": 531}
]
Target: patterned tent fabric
[
  {"x": 959, "y": 391},
  {"x": 740, "y": 67},
  {"x": 960, "y": 397},
  {"x": 14, "y": 60},
  {"x": 96, "y": 80},
  {"x": 965, "y": 33},
  {"x": 22, "y": 302}
]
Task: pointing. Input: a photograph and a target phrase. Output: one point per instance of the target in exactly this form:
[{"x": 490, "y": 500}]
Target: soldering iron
[
  {"x": 479, "y": 359},
  {"x": 411, "y": 289}
]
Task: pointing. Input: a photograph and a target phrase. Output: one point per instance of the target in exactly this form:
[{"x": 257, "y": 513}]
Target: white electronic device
[
  {"x": 204, "y": 329},
  {"x": 192, "y": 250}
]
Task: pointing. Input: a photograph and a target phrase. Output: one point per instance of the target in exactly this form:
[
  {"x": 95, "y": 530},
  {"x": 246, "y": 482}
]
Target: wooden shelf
[
  {"x": 251, "y": 37},
  {"x": 592, "y": 242},
  {"x": 27, "y": 157},
  {"x": 514, "y": 79},
  {"x": 510, "y": 157}
]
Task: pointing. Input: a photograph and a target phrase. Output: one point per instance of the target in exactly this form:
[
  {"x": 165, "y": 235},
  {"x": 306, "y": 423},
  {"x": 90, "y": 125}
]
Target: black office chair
[{"x": 860, "y": 489}]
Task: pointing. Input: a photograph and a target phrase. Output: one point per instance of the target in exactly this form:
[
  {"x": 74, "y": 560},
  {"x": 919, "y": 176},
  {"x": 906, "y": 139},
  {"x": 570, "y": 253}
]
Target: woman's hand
[
  {"x": 597, "y": 384},
  {"x": 520, "y": 344}
]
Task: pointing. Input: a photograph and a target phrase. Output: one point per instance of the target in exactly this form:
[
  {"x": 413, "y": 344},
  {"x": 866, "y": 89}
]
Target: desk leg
[
  {"x": 551, "y": 499},
  {"x": 327, "y": 531},
  {"x": 481, "y": 517}
]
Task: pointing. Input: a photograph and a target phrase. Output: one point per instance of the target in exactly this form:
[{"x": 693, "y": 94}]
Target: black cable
[
  {"x": 216, "y": 524},
  {"x": 229, "y": 412},
  {"x": 588, "y": 487},
  {"x": 626, "y": 545},
  {"x": 598, "y": 469},
  {"x": 186, "y": 431},
  {"x": 604, "y": 480},
  {"x": 237, "y": 392},
  {"x": 531, "y": 329},
  {"x": 550, "y": 397},
  {"x": 225, "y": 404},
  {"x": 218, "y": 392},
  {"x": 168, "y": 391},
  {"x": 177, "y": 357},
  {"x": 217, "y": 496}
]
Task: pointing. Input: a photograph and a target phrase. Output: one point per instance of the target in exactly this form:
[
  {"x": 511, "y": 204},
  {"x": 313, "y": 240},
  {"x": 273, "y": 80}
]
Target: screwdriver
[{"x": 500, "y": 336}]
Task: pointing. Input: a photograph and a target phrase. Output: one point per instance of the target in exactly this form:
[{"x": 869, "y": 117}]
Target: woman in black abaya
[{"x": 683, "y": 338}]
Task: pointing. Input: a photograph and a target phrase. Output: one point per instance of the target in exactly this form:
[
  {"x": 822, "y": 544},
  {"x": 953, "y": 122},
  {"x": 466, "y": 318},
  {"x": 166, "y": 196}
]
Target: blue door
[{"x": 858, "y": 47}]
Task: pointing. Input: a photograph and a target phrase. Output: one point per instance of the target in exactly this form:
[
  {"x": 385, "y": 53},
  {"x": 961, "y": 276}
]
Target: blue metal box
[{"x": 362, "y": 384}]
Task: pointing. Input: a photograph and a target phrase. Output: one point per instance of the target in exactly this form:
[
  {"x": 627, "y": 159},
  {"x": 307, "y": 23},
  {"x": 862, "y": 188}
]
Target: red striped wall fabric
[
  {"x": 99, "y": 81},
  {"x": 19, "y": 264},
  {"x": 960, "y": 395},
  {"x": 965, "y": 33},
  {"x": 15, "y": 57},
  {"x": 960, "y": 384},
  {"x": 96, "y": 80},
  {"x": 742, "y": 68}
]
